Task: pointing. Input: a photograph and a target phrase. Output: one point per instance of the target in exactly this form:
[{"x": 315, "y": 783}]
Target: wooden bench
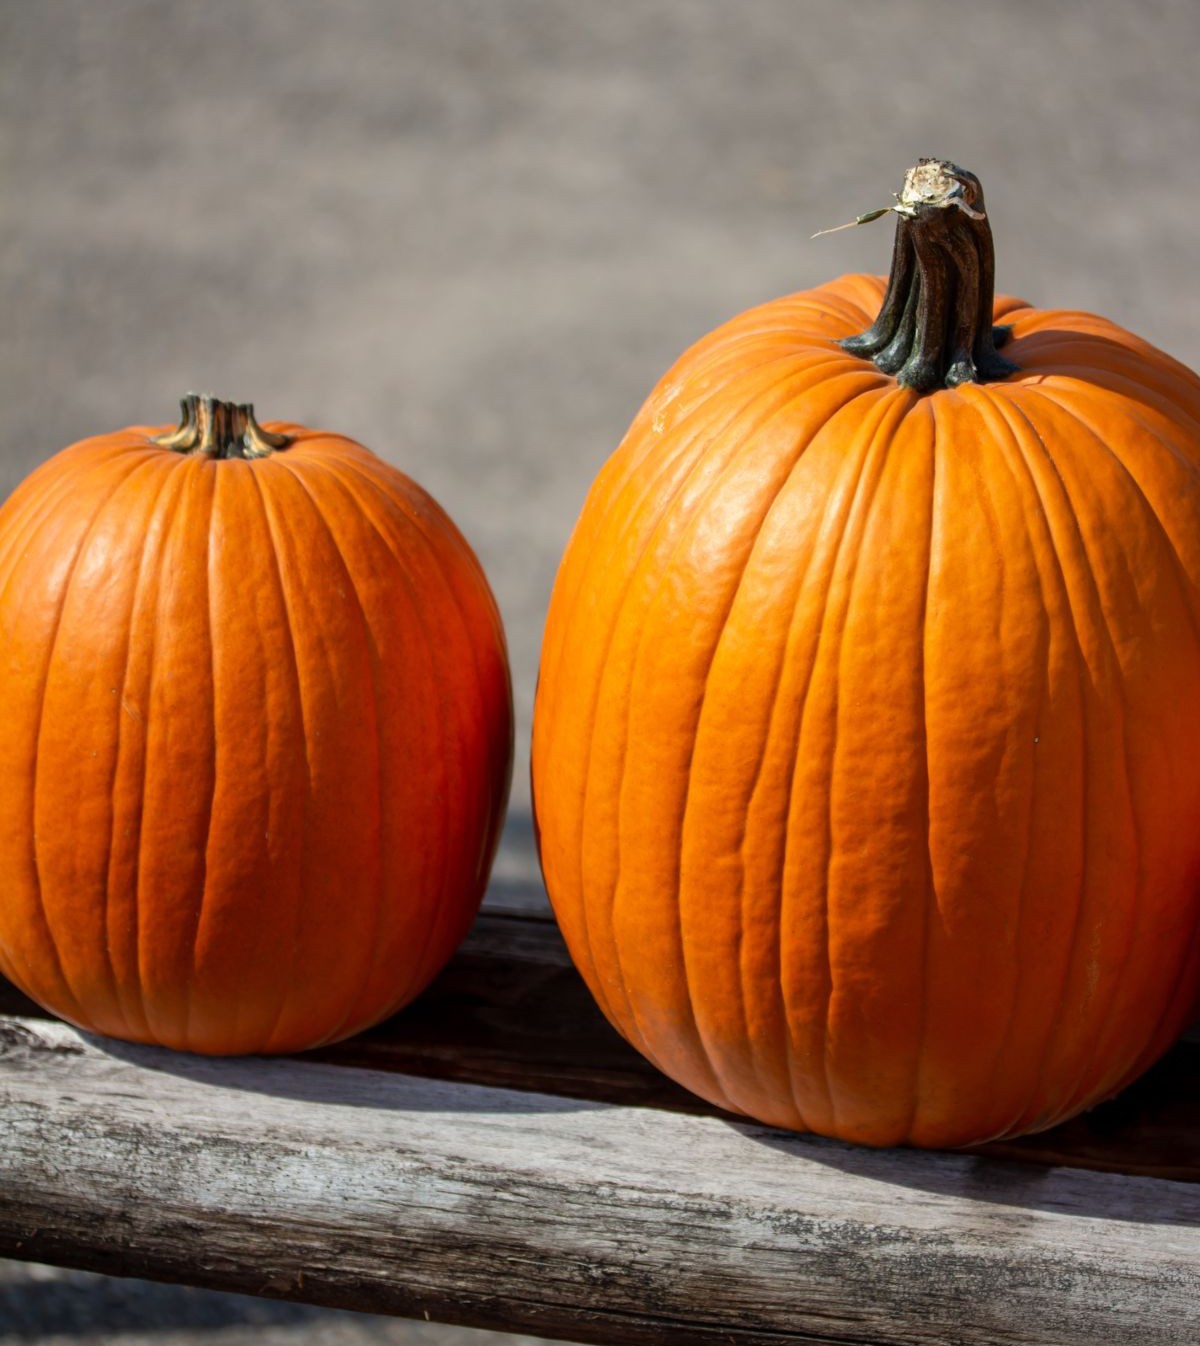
[{"x": 496, "y": 1156}]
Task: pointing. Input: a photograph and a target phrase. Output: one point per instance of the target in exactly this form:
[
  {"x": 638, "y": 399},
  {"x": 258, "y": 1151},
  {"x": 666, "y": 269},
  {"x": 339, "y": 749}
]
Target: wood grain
[{"x": 598, "y": 1222}]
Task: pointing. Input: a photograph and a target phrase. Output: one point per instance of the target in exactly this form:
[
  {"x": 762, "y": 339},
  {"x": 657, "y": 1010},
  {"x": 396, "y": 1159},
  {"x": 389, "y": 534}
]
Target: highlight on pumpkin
[
  {"x": 257, "y": 737},
  {"x": 864, "y": 767}
]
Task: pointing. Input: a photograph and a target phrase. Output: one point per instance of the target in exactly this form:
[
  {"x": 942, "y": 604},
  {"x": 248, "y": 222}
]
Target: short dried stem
[{"x": 220, "y": 430}]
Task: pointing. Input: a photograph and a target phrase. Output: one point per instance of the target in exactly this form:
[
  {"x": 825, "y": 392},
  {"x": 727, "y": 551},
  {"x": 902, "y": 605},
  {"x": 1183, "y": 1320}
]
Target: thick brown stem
[
  {"x": 220, "y": 430},
  {"x": 934, "y": 329}
]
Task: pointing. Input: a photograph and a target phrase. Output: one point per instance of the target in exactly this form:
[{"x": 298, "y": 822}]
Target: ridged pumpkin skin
[
  {"x": 866, "y": 750},
  {"x": 256, "y": 741}
]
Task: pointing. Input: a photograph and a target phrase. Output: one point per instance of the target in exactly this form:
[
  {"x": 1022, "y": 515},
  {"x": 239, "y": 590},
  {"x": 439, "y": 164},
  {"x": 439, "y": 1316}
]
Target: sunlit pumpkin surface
[
  {"x": 867, "y": 747},
  {"x": 255, "y": 746}
]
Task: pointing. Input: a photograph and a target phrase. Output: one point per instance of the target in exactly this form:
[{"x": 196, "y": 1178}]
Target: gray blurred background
[{"x": 473, "y": 233}]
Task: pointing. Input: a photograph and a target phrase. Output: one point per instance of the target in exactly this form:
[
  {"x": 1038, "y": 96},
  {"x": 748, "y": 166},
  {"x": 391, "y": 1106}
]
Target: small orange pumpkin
[
  {"x": 256, "y": 739},
  {"x": 866, "y": 753}
]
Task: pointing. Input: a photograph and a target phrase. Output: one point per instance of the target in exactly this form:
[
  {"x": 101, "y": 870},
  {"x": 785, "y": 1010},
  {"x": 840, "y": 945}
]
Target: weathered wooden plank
[
  {"x": 511, "y": 1011},
  {"x": 381, "y": 1191}
]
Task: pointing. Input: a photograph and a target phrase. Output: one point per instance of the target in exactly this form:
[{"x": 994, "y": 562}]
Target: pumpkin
[
  {"x": 256, "y": 740},
  {"x": 866, "y": 753}
]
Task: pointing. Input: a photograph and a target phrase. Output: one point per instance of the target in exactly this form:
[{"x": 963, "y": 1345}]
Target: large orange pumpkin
[
  {"x": 255, "y": 739},
  {"x": 866, "y": 749}
]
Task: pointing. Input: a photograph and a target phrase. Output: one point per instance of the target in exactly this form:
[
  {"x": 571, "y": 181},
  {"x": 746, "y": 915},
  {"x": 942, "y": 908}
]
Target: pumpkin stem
[
  {"x": 935, "y": 328},
  {"x": 220, "y": 430}
]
